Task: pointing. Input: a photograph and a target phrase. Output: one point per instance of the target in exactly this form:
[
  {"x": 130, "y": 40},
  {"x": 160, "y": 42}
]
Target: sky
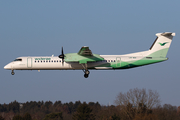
[{"x": 41, "y": 28}]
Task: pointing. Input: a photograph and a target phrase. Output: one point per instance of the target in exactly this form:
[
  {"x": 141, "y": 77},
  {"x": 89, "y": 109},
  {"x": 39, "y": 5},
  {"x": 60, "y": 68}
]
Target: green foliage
[
  {"x": 53, "y": 116},
  {"x": 84, "y": 112}
]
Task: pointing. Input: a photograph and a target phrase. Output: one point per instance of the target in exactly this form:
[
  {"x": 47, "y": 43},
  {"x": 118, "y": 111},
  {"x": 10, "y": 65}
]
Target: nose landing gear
[{"x": 12, "y": 73}]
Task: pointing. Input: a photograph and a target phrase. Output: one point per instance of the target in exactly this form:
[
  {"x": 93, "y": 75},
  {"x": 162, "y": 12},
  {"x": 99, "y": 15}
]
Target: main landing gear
[
  {"x": 12, "y": 73},
  {"x": 86, "y": 73},
  {"x": 85, "y": 70}
]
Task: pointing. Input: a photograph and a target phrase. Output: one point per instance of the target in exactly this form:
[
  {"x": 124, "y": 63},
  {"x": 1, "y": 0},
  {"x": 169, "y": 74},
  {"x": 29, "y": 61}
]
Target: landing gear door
[{"x": 29, "y": 62}]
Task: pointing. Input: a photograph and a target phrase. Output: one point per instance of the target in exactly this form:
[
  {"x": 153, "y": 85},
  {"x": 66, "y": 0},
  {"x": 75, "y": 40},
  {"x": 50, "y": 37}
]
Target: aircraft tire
[{"x": 86, "y": 75}]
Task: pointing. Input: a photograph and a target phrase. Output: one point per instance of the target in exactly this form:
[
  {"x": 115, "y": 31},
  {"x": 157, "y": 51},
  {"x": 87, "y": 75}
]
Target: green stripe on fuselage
[
  {"x": 144, "y": 61},
  {"x": 134, "y": 63}
]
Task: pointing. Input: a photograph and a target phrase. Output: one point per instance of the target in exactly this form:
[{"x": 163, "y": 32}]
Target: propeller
[{"x": 62, "y": 56}]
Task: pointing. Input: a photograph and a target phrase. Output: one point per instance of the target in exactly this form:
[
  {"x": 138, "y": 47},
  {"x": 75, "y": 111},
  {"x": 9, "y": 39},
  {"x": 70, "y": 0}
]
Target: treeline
[{"x": 85, "y": 111}]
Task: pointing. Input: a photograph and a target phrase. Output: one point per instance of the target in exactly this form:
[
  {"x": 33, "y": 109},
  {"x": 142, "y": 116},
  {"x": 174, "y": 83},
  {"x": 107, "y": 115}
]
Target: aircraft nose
[{"x": 8, "y": 66}]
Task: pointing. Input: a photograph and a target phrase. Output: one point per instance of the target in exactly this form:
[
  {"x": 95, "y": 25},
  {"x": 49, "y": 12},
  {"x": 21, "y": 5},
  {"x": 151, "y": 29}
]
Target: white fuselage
[{"x": 55, "y": 63}]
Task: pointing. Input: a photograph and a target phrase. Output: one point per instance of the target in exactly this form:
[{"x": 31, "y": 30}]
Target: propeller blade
[
  {"x": 62, "y": 56},
  {"x": 62, "y": 51}
]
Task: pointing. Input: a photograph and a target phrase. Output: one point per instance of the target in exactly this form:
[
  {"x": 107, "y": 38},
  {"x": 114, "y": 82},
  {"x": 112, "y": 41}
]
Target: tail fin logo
[{"x": 162, "y": 44}]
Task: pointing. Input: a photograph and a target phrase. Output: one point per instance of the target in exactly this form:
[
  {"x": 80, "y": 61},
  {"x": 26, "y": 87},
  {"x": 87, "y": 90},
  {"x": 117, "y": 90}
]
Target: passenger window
[
  {"x": 35, "y": 61},
  {"x": 41, "y": 61},
  {"x": 38, "y": 61},
  {"x": 52, "y": 61},
  {"x": 59, "y": 61}
]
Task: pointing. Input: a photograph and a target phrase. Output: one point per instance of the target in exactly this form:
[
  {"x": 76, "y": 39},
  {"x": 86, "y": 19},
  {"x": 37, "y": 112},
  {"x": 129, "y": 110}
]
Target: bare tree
[{"x": 137, "y": 101}]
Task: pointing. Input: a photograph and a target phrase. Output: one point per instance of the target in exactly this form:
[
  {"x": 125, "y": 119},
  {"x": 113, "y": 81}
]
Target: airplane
[{"x": 85, "y": 60}]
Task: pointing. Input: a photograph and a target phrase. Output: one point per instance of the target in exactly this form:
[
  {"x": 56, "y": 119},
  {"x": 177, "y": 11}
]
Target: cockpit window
[{"x": 18, "y": 60}]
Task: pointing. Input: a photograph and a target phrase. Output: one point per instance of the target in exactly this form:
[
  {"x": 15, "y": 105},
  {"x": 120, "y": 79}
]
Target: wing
[{"x": 83, "y": 56}]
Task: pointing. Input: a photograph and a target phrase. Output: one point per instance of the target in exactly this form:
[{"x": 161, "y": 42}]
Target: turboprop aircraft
[{"x": 85, "y": 60}]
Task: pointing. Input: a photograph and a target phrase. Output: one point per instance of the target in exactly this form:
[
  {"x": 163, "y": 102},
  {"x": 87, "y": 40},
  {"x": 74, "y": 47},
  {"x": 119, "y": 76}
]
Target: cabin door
[
  {"x": 29, "y": 62},
  {"x": 118, "y": 62}
]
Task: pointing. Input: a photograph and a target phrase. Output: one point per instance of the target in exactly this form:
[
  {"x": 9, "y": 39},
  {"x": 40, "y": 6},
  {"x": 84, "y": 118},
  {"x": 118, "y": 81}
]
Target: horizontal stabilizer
[{"x": 165, "y": 34}]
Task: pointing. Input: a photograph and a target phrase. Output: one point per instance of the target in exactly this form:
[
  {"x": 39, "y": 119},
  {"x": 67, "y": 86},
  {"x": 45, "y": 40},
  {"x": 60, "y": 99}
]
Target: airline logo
[
  {"x": 162, "y": 44},
  {"x": 42, "y": 58}
]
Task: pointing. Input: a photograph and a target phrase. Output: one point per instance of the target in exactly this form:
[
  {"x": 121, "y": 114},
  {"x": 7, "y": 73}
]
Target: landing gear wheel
[
  {"x": 12, "y": 73},
  {"x": 86, "y": 75}
]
